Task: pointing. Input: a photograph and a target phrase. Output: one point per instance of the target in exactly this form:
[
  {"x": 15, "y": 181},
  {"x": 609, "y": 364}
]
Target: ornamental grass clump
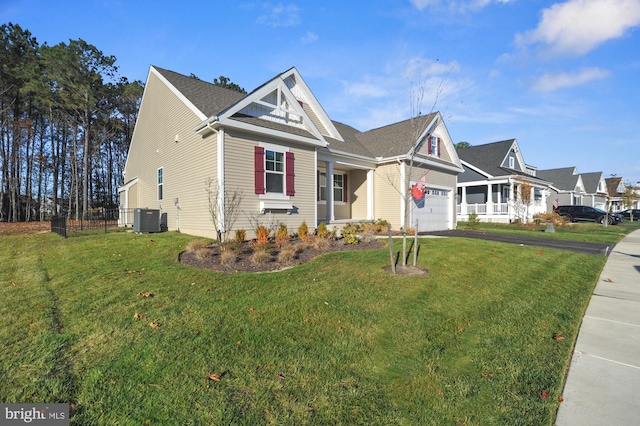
[
  {"x": 196, "y": 245},
  {"x": 203, "y": 252},
  {"x": 287, "y": 254},
  {"x": 260, "y": 257}
]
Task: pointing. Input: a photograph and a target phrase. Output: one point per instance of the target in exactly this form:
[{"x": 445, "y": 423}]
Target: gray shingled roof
[
  {"x": 388, "y": 141},
  {"x": 590, "y": 181},
  {"x": 488, "y": 157},
  {"x": 395, "y": 139},
  {"x": 208, "y": 98},
  {"x": 562, "y": 178}
]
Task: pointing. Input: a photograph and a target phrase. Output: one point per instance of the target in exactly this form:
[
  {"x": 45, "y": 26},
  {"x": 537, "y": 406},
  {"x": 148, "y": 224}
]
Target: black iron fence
[{"x": 94, "y": 219}]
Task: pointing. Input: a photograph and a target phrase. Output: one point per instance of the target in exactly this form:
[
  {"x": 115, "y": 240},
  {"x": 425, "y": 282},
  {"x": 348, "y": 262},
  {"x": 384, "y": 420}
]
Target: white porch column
[
  {"x": 463, "y": 201},
  {"x": 489, "y": 199},
  {"x": 512, "y": 200},
  {"x": 403, "y": 203},
  {"x": 331, "y": 215},
  {"x": 370, "y": 204}
]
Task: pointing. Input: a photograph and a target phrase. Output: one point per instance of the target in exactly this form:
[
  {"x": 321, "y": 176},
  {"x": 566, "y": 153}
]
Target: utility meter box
[{"x": 146, "y": 220}]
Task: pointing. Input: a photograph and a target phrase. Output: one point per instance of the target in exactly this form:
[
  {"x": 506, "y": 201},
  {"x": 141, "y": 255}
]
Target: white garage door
[{"x": 433, "y": 211}]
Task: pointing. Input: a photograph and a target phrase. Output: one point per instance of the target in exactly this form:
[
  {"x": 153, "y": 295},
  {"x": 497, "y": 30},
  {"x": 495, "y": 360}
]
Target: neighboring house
[
  {"x": 277, "y": 150},
  {"x": 492, "y": 183},
  {"x": 615, "y": 190},
  {"x": 595, "y": 188},
  {"x": 567, "y": 187}
]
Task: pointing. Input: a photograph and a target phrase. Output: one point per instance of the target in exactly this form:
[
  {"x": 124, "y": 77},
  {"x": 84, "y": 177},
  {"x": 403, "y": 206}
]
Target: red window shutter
[
  {"x": 345, "y": 188},
  {"x": 289, "y": 181},
  {"x": 258, "y": 167},
  {"x": 318, "y": 184},
  {"x": 439, "y": 143},
  {"x": 429, "y": 145}
]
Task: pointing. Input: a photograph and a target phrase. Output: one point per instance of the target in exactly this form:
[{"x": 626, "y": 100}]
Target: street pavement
[
  {"x": 603, "y": 383},
  {"x": 575, "y": 246}
]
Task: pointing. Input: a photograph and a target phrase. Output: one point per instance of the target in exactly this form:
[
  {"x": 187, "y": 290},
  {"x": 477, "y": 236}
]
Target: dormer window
[
  {"x": 434, "y": 146},
  {"x": 512, "y": 163}
]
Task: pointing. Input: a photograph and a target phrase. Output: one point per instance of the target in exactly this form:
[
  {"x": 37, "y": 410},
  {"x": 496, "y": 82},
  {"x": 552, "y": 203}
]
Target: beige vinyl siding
[
  {"x": 358, "y": 193},
  {"x": 434, "y": 178},
  {"x": 387, "y": 200},
  {"x": 239, "y": 175},
  {"x": 186, "y": 163}
]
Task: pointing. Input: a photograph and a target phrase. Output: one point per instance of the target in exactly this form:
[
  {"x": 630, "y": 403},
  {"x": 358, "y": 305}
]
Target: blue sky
[{"x": 562, "y": 77}]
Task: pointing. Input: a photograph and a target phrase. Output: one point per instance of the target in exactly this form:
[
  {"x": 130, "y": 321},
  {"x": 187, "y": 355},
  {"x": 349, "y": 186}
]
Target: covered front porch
[
  {"x": 501, "y": 201},
  {"x": 344, "y": 193}
]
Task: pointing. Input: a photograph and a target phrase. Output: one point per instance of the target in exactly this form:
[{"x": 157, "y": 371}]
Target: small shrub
[
  {"x": 196, "y": 245},
  {"x": 323, "y": 232},
  {"x": 282, "y": 235},
  {"x": 241, "y": 235},
  {"x": 262, "y": 235},
  {"x": 303, "y": 231},
  {"x": 348, "y": 230},
  {"x": 474, "y": 221},
  {"x": 352, "y": 239},
  {"x": 261, "y": 257}
]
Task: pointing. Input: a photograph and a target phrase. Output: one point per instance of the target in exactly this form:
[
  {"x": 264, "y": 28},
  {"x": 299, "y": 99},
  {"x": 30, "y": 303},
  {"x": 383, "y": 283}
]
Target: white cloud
[
  {"x": 459, "y": 5},
  {"x": 280, "y": 15},
  {"x": 309, "y": 37},
  {"x": 578, "y": 26},
  {"x": 420, "y": 68},
  {"x": 551, "y": 82}
]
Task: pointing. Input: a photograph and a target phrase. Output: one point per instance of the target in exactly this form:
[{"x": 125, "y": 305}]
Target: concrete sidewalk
[{"x": 603, "y": 384}]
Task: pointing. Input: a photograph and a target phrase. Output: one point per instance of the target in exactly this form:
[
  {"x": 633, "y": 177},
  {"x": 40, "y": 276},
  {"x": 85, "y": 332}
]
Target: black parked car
[
  {"x": 627, "y": 214},
  {"x": 588, "y": 214}
]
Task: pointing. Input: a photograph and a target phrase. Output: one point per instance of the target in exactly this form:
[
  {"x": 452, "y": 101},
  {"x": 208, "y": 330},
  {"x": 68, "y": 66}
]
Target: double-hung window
[
  {"x": 160, "y": 183},
  {"x": 339, "y": 187},
  {"x": 434, "y": 146},
  {"x": 273, "y": 170}
]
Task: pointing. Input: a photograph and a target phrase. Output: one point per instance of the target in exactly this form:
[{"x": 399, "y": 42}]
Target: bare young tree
[
  {"x": 224, "y": 208},
  {"x": 420, "y": 124},
  {"x": 524, "y": 200}
]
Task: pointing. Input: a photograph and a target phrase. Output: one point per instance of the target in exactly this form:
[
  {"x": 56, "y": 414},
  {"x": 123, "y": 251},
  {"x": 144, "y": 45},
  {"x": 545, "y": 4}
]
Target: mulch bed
[{"x": 244, "y": 263}]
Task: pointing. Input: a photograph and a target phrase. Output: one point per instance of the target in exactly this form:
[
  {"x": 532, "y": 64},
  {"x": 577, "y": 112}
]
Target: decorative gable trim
[{"x": 280, "y": 100}]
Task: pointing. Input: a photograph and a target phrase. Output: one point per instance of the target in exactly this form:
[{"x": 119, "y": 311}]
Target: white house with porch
[{"x": 492, "y": 184}]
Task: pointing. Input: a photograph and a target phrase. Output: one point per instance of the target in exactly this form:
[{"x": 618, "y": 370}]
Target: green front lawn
[
  {"x": 335, "y": 341},
  {"x": 585, "y": 231}
]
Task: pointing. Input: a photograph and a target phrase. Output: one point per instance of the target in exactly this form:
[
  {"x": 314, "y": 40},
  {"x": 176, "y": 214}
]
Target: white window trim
[
  {"x": 275, "y": 195},
  {"x": 158, "y": 185},
  {"x": 335, "y": 202}
]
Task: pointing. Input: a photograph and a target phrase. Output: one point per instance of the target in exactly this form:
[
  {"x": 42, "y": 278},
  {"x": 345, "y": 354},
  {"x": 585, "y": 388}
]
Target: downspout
[{"x": 221, "y": 183}]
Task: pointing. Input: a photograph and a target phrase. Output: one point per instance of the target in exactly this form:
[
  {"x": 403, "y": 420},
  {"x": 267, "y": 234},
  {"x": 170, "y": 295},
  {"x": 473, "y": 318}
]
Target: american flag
[{"x": 555, "y": 203}]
